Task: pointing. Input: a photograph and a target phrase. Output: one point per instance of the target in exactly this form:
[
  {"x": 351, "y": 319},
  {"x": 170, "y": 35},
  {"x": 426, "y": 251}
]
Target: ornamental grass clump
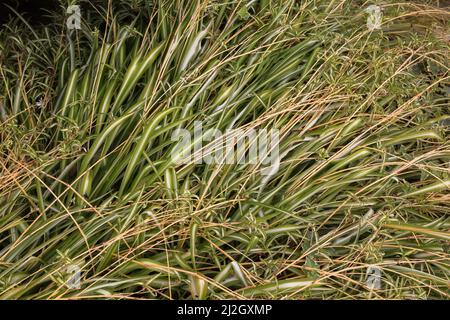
[{"x": 354, "y": 205}]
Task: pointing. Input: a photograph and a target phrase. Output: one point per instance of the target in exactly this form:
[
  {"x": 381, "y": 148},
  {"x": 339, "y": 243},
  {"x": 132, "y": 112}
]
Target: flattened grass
[{"x": 88, "y": 178}]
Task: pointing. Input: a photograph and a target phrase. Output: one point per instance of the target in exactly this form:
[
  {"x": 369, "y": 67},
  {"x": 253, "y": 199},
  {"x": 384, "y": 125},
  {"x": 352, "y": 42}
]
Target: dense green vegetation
[{"x": 87, "y": 176}]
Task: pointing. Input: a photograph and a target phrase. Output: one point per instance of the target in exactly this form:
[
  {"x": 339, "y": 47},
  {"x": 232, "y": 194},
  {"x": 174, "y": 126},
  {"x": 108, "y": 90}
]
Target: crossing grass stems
[{"x": 88, "y": 178}]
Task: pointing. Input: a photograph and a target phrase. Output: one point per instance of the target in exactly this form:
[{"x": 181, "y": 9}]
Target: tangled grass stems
[{"x": 88, "y": 175}]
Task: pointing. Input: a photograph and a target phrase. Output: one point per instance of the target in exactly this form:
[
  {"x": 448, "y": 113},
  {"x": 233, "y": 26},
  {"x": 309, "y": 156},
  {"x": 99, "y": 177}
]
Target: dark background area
[
  {"x": 33, "y": 10},
  {"x": 36, "y": 12}
]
